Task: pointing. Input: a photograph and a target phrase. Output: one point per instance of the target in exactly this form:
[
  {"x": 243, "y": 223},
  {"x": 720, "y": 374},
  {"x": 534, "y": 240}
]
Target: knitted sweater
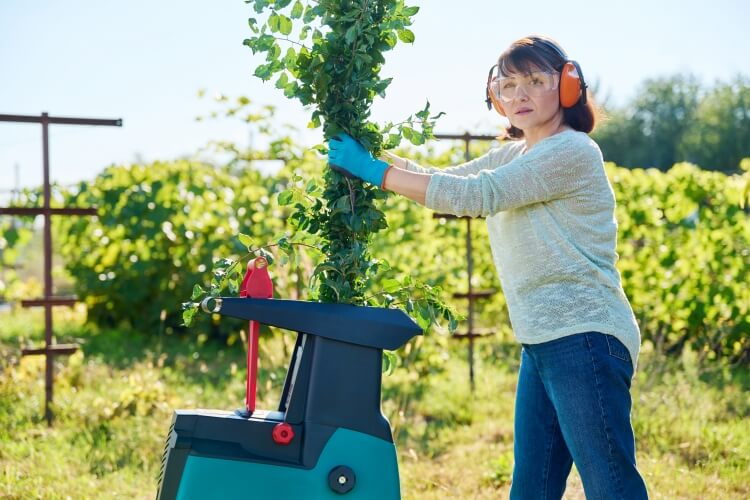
[{"x": 552, "y": 229}]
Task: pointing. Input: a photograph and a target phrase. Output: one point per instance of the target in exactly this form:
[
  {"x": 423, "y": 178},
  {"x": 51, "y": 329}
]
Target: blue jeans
[{"x": 573, "y": 405}]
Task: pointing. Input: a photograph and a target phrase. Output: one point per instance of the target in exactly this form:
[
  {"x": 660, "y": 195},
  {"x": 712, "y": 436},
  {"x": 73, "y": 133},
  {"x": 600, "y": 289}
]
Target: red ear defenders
[{"x": 572, "y": 86}]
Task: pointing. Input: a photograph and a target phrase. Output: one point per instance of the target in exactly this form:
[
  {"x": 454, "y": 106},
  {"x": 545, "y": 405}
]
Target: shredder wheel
[{"x": 341, "y": 479}]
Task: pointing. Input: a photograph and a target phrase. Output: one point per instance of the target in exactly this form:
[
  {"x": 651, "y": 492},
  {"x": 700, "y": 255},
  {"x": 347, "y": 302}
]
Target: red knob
[{"x": 282, "y": 433}]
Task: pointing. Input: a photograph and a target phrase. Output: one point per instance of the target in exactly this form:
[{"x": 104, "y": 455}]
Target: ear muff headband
[
  {"x": 572, "y": 86},
  {"x": 491, "y": 100}
]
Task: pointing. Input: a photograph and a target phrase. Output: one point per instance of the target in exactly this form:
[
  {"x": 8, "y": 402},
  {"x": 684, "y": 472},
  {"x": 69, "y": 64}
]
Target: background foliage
[{"x": 675, "y": 118}]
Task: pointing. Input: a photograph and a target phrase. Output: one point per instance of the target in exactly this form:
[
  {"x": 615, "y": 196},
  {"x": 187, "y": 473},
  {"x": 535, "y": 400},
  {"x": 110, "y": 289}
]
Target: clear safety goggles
[{"x": 534, "y": 85}]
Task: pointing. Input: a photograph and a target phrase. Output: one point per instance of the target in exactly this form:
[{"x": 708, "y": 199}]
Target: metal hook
[{"x": 216, "y": 308}]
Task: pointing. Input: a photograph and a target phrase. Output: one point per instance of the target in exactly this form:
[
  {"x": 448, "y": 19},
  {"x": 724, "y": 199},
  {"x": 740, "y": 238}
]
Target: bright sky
[{"x": 145, "y": 60}]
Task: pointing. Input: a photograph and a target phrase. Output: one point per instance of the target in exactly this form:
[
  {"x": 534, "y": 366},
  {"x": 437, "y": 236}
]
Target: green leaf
[
  {"x": 11, "y": 236},
  {"x": 390, "y": 39},
  {"x": 253, "y": 23},
  {"x": 188, "y": 312},
  {"x": 223, "y": 264},
  {"x": 286, "y": 197},
  {"x": 391, "y": 285},
  {"x": 423, "y": 317},
  {"x": 197, "y": 292},
  {"x": 315, "y": 123},
  {"x": 274, "y": 22},
  {"x": 285, "y": 25},
  {"x": 282, "y": 81},
  {"x": 246, "y": 240},
  {"x": 284, "y": 244},
  {"x": 380, "y": 86},
  {"x": 263, "y": 71},
  {"x": 297, "y": 10},
  {"x": 383, "y": 265},
  {"x": 273, "y": 53},
  {"x": 290, "y": 58},
  {"x": 260, "y": 5},
  {"x": 393, "y": 141},
  {"x": 234, "y": 286},
  {"x": 424, "y": 113},
  {"x": 309, "y": 14},
  {"x": 417, "y": 139},
  {"x": 407, "y": 132},
  {"x": 351, "y": 34},
  {"x": 406, "y": 36},
  {"x": 389, "y": 362},
  {"x": 410, "y": 11},
  {"x": 452, "y": 324},
  {"x": 291, "y": 89}
]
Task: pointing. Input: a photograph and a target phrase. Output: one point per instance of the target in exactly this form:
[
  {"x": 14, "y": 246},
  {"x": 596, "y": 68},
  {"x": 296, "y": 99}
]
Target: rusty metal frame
[
  {"x": 50, "y": 349},
  {"x": 471, "y": 295}
]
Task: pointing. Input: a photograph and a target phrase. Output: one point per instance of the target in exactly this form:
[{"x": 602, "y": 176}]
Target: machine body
[{"x": 327, "y": 438}]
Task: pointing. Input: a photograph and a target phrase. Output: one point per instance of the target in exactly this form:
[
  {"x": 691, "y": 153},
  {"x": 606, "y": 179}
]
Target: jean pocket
[{"x": 617, "y": 348}]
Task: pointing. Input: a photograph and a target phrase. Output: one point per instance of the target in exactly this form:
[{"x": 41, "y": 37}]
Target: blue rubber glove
[{"x": 350, "y": 158}]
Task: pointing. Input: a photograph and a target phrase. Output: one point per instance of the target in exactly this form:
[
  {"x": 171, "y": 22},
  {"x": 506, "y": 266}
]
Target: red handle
[
  {"x": 252, "y": 366},
  {"x": 256, "y": 284}
]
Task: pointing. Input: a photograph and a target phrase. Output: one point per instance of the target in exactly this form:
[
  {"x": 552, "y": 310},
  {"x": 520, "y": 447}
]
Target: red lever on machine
[{"x": 257, "y": 285}]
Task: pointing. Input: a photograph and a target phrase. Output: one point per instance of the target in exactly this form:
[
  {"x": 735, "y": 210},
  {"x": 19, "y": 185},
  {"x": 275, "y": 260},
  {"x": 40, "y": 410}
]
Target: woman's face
[{"x": 529, "y": 112}]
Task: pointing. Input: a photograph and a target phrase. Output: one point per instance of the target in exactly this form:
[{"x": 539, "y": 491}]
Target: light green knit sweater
[{"x": 550, "y": 218}]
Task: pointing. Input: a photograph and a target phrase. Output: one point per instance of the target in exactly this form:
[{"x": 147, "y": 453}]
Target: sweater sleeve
[
  {"x": 488, "y": 161},
  {"x": 556, "y": 167}
]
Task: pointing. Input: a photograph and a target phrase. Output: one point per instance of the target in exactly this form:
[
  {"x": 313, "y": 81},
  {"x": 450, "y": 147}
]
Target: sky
[{"x": 144, "y": 61}]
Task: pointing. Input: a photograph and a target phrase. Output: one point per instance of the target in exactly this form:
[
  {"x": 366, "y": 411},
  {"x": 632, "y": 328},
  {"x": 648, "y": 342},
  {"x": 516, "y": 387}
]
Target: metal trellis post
[
  {"x": 471, "y": 295},
  {"x": 50, "y": 349}
]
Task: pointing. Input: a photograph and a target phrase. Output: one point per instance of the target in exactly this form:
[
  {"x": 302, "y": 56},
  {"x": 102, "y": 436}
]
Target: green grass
[{"x": 114, "y": 400}]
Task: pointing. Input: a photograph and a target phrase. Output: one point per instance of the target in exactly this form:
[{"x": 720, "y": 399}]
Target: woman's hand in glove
[{"x": 350, "y": 158}]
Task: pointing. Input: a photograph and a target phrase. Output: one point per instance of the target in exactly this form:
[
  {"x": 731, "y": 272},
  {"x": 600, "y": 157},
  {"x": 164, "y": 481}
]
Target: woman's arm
[
  {"x": 488, "y": 161},
  {"x": 557, "y": 167},
  {"x": 413, "y": 185}
]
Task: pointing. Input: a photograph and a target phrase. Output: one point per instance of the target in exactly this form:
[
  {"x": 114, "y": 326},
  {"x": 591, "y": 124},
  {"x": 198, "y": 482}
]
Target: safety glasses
[{"x": 535, "y": 84}]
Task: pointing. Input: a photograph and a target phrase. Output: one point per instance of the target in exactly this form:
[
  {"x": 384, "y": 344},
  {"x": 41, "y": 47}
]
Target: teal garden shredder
[{"x": 328, "y": 438}]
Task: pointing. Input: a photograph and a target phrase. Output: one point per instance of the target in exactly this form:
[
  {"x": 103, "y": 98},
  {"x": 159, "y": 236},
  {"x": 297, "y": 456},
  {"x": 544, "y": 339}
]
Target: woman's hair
[{"x": 531, "y": 52}]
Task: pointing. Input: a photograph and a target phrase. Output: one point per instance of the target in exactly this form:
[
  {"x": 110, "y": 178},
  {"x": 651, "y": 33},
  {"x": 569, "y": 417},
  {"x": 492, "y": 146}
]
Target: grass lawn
[{"x": 114, "y": 400}]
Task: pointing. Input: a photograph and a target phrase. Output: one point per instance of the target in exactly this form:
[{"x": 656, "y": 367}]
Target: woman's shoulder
[
  {"x": 575, "y": 142},
  {"x": 581, "y": 138},
  {"x": 569, "y": 143},
  {"x": 508, "y": 149}
]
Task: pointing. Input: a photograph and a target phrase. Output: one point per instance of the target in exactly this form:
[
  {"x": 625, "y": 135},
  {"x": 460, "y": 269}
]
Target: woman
[{"x": 550, "y": 217}]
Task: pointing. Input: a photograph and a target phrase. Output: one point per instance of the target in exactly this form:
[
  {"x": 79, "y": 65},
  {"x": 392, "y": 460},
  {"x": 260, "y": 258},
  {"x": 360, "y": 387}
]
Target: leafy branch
[{"x": 339, "y": 76}]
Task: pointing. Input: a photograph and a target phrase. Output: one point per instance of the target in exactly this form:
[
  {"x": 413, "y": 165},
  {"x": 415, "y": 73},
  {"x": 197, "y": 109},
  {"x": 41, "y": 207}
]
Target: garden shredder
[{"x": 327, "y": 438}]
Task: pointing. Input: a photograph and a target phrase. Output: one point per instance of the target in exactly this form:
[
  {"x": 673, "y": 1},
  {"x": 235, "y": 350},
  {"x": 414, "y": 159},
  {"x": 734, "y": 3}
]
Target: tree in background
[
  {"x": 648, "y": 131},
  {"x": 674, "y": 119},
  {"x": 719, "y": 138}
]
